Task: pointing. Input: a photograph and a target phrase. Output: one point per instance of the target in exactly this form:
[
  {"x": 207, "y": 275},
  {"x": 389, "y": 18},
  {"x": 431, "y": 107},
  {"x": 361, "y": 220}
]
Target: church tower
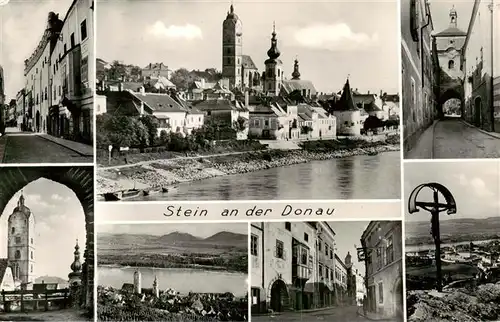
[
  {"x": 21, "y": 243},
  {"x": 274, "y": 68},
  {"x": 232, "y": 49}
]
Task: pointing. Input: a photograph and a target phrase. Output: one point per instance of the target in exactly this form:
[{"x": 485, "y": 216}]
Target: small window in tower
[
  {"x": 13, "y": 230},
  {"x": 31, "y": 254},
  {"x": 451, "y": 64},
  {"x": 32, "y": 268},
  {"x": 18, "y": 240},
  {"x": 18, "y": 254},
  {"x": 31, "y": 240}
]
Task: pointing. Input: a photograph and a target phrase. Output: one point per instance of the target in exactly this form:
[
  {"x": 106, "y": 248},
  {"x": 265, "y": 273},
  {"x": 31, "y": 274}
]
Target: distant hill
[
  {"x": 50, "y": 279},
  {"x": 227, "y": 237},
  {"x": 124, "y": 241},
  {"x": 178, "y": 237},
  {"x": 453, "y": 230}
]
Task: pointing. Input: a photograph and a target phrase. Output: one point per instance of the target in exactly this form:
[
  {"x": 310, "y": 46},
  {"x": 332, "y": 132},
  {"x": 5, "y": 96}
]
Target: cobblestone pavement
[
  {"x": 340, "y": 314},
  {"x": 29, "y": 148},
  {"x": 454, "y": 139}
]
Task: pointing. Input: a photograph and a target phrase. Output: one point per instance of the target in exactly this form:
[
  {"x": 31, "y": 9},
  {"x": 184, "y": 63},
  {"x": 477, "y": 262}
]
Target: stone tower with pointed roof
[
  {"x": 21, "y": 243},
  {"x": 232, "y": 49},
  {"x": 273, "y": 77},
  {"x": 347, "y": 114}
]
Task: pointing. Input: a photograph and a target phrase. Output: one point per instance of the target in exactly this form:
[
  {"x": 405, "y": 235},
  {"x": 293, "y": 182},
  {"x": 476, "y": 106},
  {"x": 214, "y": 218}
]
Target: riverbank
[
  {"x": 167, "y": 172},
  {"x": 232, "y": 263}
]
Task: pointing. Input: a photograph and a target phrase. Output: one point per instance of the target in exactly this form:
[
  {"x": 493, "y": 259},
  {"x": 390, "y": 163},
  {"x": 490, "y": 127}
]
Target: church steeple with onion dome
[
  {"x": 75, "y": 277},
  {"x": 273, "y": 76}
]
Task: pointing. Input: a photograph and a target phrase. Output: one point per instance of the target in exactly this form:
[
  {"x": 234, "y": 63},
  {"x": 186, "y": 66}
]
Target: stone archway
[
  {"x": 449, "y": 88},
  {"x": 448, "y": 94},
  {"x": 278, "y": 295},
  {"x": 81, "y": 181}
]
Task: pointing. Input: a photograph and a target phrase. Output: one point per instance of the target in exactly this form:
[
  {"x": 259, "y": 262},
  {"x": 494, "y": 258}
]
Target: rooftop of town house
[
  {"x": 219, "y": 104},
  {"x": 370, "y": 107},
  {"x": 124, "y": 103},
  {"x": 291, "y": 85},
  {"x": 247, "y": 62},
  {"x": 202, "y": 85},
  {"x": 159, "y": 102},
  {"x": 156, "y": 66},
  {"x": 132, "y": 86},
  {"x": 161, "y": 80},
  {"x": 304, "y": 117}
]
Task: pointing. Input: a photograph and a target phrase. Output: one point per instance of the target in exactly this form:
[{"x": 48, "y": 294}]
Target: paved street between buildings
[
  {"x": 340, "y": 314},
  {"x": 454, "y": 139},
  {"x": 32, "y": 148}
]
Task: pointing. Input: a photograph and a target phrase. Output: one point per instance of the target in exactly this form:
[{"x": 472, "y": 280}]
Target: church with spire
[{"x": 238, "y": 69}]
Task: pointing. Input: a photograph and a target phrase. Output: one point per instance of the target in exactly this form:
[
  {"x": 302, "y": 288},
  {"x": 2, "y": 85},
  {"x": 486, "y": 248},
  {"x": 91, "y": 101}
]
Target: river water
[
  {"x": 357, "y": 177},
  {"x": 182, "y": 280},
  {"x": 423, "y": 247}
]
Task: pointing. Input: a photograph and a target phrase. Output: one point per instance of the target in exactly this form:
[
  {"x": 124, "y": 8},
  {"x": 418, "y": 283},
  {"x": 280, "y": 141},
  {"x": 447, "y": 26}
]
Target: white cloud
[
  {"x": 338, "y": 37},
  {"x": 188, "y": 31},
  {"x": 58, "y": 197}
]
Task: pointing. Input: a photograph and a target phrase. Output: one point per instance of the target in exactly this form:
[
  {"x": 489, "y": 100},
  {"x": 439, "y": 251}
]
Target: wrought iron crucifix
[{"x": 434, "y": 207}]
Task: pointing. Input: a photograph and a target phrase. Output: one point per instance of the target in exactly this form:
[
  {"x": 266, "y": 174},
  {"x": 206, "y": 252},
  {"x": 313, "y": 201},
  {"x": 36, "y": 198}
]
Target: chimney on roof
[
  {"x": 142, "y": 108},
  {"x": 380, "y": 93},
  {"x": 202, "y": 80},
  {"x": 142, "y": 91},
  {"x": 368, "y": 92}
]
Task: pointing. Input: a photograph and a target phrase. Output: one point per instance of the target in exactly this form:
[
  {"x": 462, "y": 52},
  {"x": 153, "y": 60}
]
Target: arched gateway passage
[
  {"x": 451, "y": 98},
  {"x": 80, "y": 181},
  {"x": 279, "y": 296}
]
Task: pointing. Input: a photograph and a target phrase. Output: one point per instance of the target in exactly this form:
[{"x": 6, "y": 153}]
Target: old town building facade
[
  {"x": 418, "y": 70},
  {"x": 294, "y": 267},
  {"x": 59, "y": 75},
  {"x": 382, "y": 253}
]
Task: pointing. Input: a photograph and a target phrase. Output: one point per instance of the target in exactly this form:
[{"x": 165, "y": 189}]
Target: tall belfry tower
[
  {"x": 21, "y": 243},
  {"x": 453, "y": 17},
  {"x": 232, "y": 50},
  {"x": 274, "y": 68}
]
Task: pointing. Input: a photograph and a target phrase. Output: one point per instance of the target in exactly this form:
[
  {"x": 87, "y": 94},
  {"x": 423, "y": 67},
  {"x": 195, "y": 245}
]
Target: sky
[
  {"x": 332, "y": 40},
  {"x": 202, "y": 230},
  {"x": 475, "y": 186},
  {"x": 347, "y": 238},
  {"x": 440, "y": 11},
  {"x": 22, "y": 23},
  {"x": 59, "y": 222}
]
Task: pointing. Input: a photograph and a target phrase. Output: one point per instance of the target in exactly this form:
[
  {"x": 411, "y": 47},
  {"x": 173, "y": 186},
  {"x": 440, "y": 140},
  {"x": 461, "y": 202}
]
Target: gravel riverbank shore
[{"x": 173, "y": 171}]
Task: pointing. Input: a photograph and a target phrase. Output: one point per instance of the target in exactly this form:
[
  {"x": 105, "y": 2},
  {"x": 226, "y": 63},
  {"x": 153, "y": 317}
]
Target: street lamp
[{"x": 434, "y": 207}]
